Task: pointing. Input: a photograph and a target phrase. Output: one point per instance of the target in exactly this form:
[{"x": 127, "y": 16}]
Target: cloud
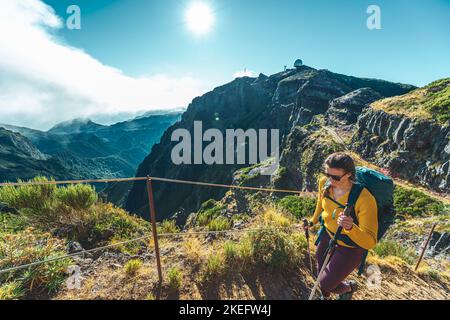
[
  {"x": 43, "y": 80},
  {"x": 245, "y": 73}
]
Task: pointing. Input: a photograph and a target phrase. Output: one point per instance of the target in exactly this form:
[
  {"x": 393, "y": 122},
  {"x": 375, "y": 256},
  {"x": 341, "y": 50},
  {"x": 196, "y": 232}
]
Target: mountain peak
[{"x": 78, "y": 125}]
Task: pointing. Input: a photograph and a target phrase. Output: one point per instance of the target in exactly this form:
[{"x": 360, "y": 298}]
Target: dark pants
[{"x": 342, "y": 263}]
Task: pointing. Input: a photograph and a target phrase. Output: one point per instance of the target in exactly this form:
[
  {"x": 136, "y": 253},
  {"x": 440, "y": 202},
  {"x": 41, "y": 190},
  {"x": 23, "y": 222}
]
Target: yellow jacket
[{"x": 365, "y": 233}]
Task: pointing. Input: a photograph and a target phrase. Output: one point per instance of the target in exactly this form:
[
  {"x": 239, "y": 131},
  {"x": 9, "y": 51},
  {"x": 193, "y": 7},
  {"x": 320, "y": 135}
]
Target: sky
[{"x": 133, "y": 56}]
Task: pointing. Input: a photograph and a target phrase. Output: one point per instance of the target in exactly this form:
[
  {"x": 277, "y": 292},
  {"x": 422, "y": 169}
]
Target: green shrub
[
  {"x": 29, "y": 196},
  {"x": 112, "y": 224},
  {"x": 133, "y": 266},
  {"x": 30, "y": 246},
  {"x": 213, "y": 268},
  {"x": 390, "y": 248},
  {"x": 230, "y": 250},
  {"x": 299, "y": 207},
  {"x": 431, "y": 273},
  {"x": 12, "y": 223},
  {"x": 208, "y": 211},
  {"x": 150, "y": 296},
  {"x": 276, "y": 248},
  {"x": 238, "y": 255},
  {"x": 245, "y": 253},
  {"x": 219, "y": 224},
  {"x": 92, "y": 223},
  {"x": 175, "y": 278},
  {"x": 438, "y": 102},
  {"x": 11, "y": 291},
  {"x": 415, "y": 203},
  {"x": 79, "y": 197},
  {"x": 168, "y": 226}
]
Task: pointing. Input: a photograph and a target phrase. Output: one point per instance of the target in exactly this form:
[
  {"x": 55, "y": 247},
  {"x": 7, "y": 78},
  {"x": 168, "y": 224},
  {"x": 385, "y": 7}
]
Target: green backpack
[{"x": 382, "y": 189}]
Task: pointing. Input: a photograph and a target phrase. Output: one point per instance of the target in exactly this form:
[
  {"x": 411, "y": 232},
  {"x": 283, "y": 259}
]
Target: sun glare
[{"x": 199, "y": 18}]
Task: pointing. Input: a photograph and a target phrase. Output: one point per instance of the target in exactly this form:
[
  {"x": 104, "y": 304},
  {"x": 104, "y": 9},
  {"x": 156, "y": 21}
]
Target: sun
[{"x": 199, "y": 18}]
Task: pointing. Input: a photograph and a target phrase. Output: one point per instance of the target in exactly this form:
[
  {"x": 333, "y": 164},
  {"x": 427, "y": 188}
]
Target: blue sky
[
  {"x": 149, "y": 36},
  {"x": 139, "y": 55}
]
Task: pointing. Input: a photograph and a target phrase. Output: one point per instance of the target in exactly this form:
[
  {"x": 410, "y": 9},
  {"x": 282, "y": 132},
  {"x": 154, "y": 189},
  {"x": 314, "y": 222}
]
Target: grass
[
  {"x": 209, "y": 216},
  {"x": 271, "y": 217},
  {"x": 245, "y": 253},
  {"x": 276, "y": 249},
  {"x": 230, "y": 250},
  {"x": 192, "y": 250},
  {"x": 71, "y": 212},
  {"x": 11, "y": 291},
  {"x": 213, "y": 268},
  {"x": 238, "y": 256},
  {"x": 208, "y": 211},
  {"x": 132, "y": 267},
  {"x": 12, "y": 223},
  {"x": 175, "y": 278},
  {"x": 299, "y": 207},
  {"x": 429, "y": 272},
  {"x": 78, "y": 197},
  {"x": 244, "y": 174},
  {"x": 219, "y": 224},
  {"x": 30, "y": 246},
  {"x": 35, "y": 197},
  {"x": 168, "y": 226},
  {"x": 390, "y": 248},
  {"x": 411, "y": 202},
  {"x": 48, "y": 216},
  {"x": 150, "y": 296},
  {"x": 274, "y": 246},
  {"x": 431, "y": 102}
]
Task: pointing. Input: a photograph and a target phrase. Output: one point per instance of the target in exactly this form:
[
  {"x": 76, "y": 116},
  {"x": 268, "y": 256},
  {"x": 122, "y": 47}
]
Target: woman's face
[{"x": 334, "y": 174}]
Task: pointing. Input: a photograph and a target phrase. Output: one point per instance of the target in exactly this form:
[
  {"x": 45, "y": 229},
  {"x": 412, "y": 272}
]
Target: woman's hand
[
  {"x": 306, "y": 224},
  {"x": 345, "y": 222}
]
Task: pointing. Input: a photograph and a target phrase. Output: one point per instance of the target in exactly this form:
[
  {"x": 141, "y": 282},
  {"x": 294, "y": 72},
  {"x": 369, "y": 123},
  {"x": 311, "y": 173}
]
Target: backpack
[{"x": 382, "y": 189}]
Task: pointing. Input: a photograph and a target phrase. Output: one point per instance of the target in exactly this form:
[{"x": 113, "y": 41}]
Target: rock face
[
  {"x": 439, "y": 244},
  {"x": 346, "y": 109},
  {"x": 414, "y": 149},
  {"x": 302, "y": 158},
  {"x": 283, "y": 101}
]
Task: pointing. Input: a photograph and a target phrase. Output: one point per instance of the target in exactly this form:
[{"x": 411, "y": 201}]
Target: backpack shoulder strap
[
  {"x": 355, "y": 192},
  {"x": 352, "y": 197}
]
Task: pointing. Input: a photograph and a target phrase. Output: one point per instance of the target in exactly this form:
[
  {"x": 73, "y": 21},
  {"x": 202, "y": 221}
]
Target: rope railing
[
  {"x": 155, "y": 234},
  {"x": 190, "y": 182},
  {"x": 116, "y": 244}
]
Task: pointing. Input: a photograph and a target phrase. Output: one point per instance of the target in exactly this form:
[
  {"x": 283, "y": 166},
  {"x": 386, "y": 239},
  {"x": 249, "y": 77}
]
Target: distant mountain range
[{"x": 81, "y": 148}]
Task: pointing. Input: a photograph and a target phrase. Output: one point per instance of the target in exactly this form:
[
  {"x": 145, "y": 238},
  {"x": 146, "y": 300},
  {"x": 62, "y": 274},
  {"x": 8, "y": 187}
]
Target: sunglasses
[{"x": 336, "y": 178}]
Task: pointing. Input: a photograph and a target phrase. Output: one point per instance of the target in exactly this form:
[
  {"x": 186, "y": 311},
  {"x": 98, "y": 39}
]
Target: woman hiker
[{"x": 356, "y": 238}]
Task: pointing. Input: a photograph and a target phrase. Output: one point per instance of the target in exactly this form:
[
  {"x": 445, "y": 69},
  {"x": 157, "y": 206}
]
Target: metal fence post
[
  {"x": 151, "y": 205},
  {"x": 425, "y": 247}
]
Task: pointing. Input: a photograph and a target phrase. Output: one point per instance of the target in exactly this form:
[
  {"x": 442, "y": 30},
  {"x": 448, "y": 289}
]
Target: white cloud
[
  {"x": 43, "y": 80},
  {"x": 244, "y": 73}
]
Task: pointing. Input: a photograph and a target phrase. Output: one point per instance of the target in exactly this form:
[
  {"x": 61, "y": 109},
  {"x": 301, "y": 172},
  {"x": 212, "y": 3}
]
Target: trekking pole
[
  {"x": 306, "y": 225},
  {"x": 329, "y": 252},
  {"x": 425, "y": 246}
]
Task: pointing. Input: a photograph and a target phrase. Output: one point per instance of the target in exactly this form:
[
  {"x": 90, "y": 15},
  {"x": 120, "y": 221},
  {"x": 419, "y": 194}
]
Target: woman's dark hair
[{"x": 341, "y": 160}]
